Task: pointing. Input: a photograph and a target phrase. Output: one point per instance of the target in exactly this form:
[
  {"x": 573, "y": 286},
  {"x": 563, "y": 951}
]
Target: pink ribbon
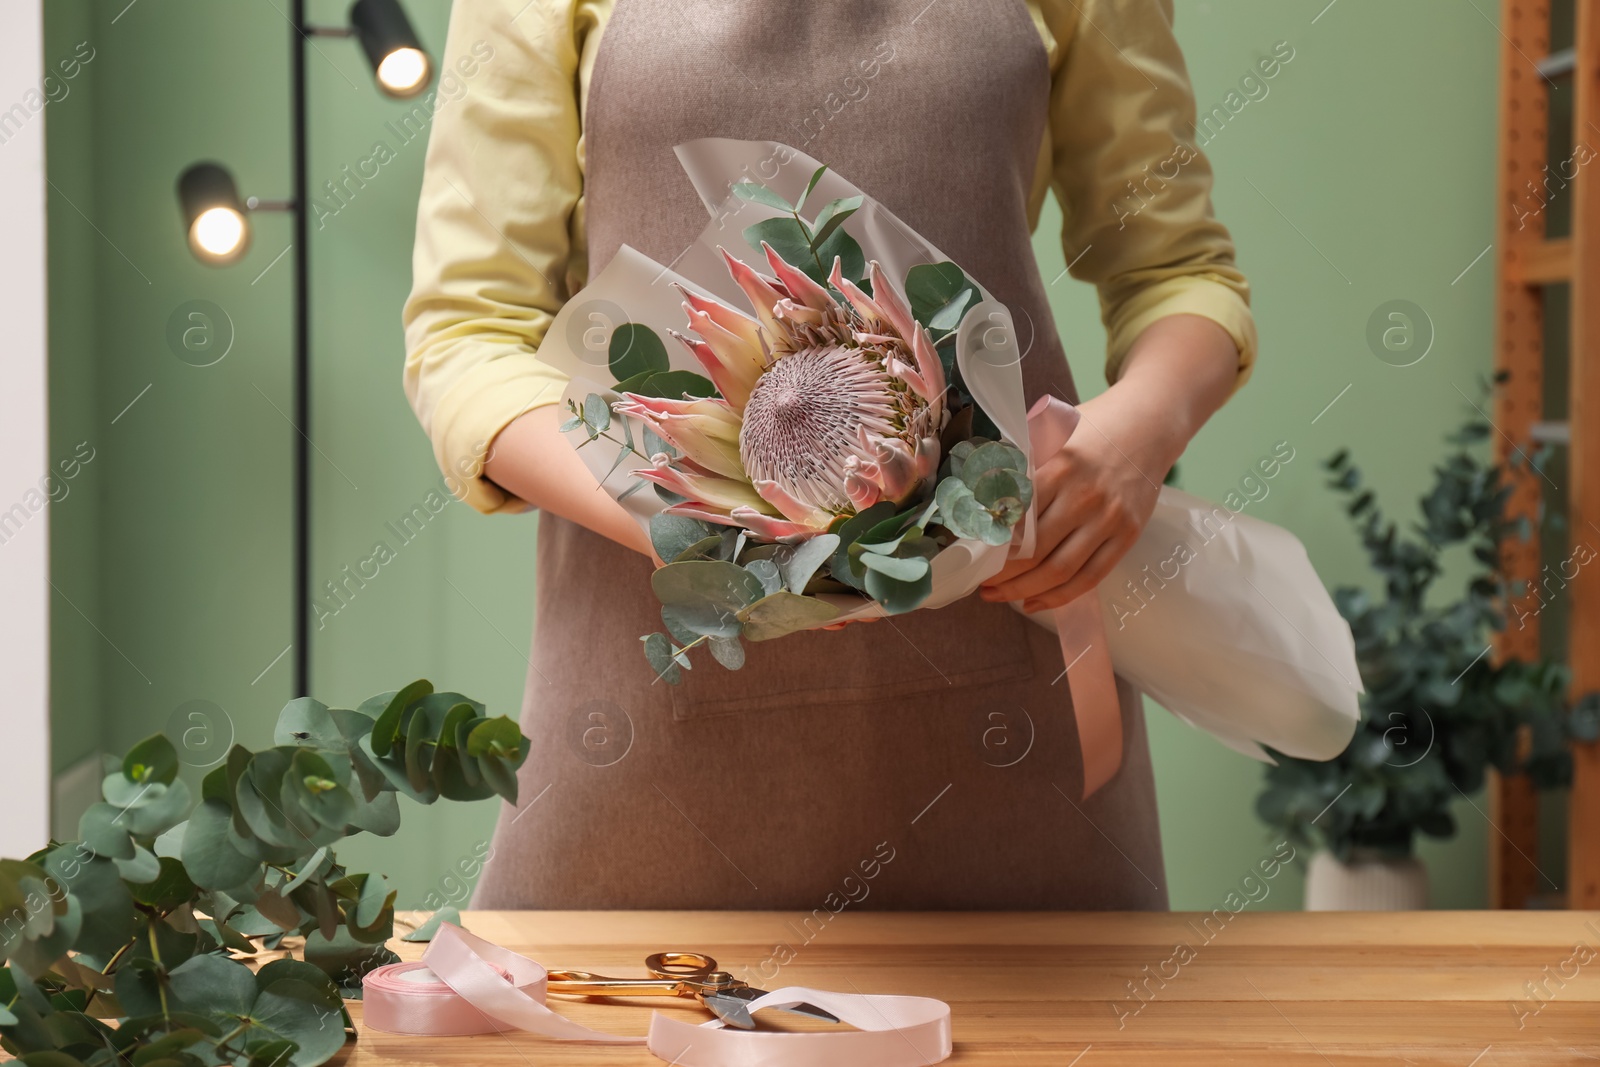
[
  {"x": 466, "y": 985},
  {"x": 1081, "y": 630}
]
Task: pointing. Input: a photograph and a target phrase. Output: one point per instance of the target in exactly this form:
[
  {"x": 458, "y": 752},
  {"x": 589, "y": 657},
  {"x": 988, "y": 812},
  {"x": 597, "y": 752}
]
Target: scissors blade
[
  {"x": 729, "y": 1008},
  {"x": 748, "y": 994}
]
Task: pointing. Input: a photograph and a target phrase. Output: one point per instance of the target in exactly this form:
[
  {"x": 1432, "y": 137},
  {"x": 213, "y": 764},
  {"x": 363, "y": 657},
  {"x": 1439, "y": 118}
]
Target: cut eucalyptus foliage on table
[
  {"x": 120, "y": 947},
  {"x": 1438, "y": 712}
]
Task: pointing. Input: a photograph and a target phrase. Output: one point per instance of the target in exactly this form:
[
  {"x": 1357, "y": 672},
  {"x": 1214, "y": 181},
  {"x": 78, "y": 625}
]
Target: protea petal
[
  {"x": 908, "y": 374},
  {"x": 896, "y": 468},
  {"x": 927, "y": 458},
  {"x": 731, "y": 382},
  {"x": 704, "y": 512},
  {"x": 702, "y": 488},
  {"x": 799, "y": 284},
  {"x": 790, "y": 311},
  {"x": 888, "y": 298},
  {"x": 770, "y": 529},
  {"x": 705, "y": 430},
  {"x": 828, "y": 406},
  {"x": 862, "y": 490},
  {"x": 735, "y": 322},
  {"x": 744, "y": 357},
  {"x": 761, "y": 290},
  {"x": 791, "y": 507},
  {"x": 929, "y": 366},
  {"x": 865, "y": 306}
]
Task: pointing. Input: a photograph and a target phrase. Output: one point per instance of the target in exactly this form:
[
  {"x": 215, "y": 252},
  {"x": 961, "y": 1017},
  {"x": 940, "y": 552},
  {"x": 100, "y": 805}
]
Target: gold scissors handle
[{"x": 676, "y": 974}]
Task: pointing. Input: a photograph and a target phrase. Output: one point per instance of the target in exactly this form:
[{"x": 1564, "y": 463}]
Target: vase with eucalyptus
[
  {"x": 126, "y": 947},
  {"x": 1439, "y": 708}
]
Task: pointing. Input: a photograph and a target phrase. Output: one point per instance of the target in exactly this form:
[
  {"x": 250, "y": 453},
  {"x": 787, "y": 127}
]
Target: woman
[{"x": 929, "y": 761}]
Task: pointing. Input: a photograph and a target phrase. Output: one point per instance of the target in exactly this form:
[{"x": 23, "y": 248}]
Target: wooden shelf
[
  {"x": 1541, "y": 262},
  {"x": 1526, "y": 265}
]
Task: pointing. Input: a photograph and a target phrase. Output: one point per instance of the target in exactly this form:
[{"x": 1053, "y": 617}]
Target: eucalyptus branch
[{"x": 150, "y": 852}]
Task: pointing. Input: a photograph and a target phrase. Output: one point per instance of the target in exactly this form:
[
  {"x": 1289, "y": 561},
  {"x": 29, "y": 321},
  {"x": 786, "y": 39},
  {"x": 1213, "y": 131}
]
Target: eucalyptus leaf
[
  {"x": 765, "y": 572},
  {"x": 790, "y": 240},
  {"x": 705, "y": 548},
  {"x": 305, "y": 721},
  {"x": 151, "y": 760},
  {"x": 345, "y": 960},
  {"x": 658, "y": 651},
  {"x": 784, "y": 613},
  {"x": 101, "y": 829},
  {"x": 655, "y": 445},
  {"x": 841, "y": 246},
  {"x": 816, "y": 176},
  {"x": 760, "y": 194},
  {"x": 209, "y": 857},
  {"x": 140, "y": 868},
  {"x": 832, "y": 216},
  {"x": 96, "y": 885},
  {"x": 715, "y": 585},
  {"x": 797, "y": 564},
  {"x": 672, "y": 535},
  {"x": 634, "y": 349},
  {"x": 931, "y": 287},
  {"x": 992, "y": 455},
  {"x": 897, "y": 596},
  {"x": 852, "y": 529},
  {"x": 728, "y": 651},
  {"x": 902, "y": 570},
  {"x": 676, "y": 384},
  {"x": 949, "y": 317},
  {"x": 425, "y": 932}
]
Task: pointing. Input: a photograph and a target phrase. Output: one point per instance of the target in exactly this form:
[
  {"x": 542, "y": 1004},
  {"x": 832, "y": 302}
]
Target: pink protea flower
[{"x": 828, "y": 406}]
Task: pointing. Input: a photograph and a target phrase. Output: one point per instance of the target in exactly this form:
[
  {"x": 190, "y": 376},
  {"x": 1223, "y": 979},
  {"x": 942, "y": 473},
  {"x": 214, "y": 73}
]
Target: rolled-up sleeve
[
  {"x": 1135, "y": 189},
  {"x": 495, "y": 253}
]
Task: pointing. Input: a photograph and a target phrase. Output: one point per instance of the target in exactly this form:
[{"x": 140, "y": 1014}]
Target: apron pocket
[{"x": 968, "y": 644}]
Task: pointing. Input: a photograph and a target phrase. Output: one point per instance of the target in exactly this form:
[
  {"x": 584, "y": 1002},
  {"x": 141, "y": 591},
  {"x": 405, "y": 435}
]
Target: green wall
[{"x": 1364, "y": 175}]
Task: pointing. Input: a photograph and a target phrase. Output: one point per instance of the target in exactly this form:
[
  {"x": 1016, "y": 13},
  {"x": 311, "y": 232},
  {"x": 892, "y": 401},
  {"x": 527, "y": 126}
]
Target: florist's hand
[
  {"x": 1093, "y": 498},
  {"x": 1091, "y": 502}
]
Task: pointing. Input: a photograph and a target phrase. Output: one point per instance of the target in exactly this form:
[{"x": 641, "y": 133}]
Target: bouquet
[
  {"x": 826, "y": 450},
  {"x": 819, "y": 418}
]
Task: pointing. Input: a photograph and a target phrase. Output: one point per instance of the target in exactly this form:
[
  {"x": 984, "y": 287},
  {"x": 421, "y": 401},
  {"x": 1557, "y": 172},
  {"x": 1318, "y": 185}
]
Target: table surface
[{"x": 1463, "y": 989}]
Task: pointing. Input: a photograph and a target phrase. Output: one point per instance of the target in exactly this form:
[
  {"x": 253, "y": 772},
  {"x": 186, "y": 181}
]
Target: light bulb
[
  {"x": 403, "y": 70},
  {"x": 219, "y": 231}
]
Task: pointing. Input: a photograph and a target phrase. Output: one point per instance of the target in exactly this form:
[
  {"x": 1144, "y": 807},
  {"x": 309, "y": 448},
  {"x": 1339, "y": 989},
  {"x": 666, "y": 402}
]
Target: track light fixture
[
  {"x": 398, "y": 61},
  {"x": 213, "y": 215},
  {"x": 217, "y": 224}
]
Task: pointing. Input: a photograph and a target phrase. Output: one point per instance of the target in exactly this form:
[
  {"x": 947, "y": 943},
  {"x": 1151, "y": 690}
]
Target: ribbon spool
[
  {"x": 466, "y": 985},
  {"x": 408, "y": 998}
]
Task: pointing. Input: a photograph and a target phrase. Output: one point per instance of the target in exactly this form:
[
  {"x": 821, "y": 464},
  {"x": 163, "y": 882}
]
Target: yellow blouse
[{"x": 500, "y": 228}]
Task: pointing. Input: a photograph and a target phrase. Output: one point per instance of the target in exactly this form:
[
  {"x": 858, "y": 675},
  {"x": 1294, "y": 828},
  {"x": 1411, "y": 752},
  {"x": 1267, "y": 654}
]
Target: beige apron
[{"x": 927, "y": 761}]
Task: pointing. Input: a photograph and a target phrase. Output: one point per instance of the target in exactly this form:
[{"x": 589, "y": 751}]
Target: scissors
[{"x": 680, "y": 974}]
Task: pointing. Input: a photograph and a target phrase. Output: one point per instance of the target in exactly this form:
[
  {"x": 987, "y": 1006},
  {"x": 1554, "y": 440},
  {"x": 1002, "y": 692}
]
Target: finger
[
  {"x": 1073, "y": 508},
  {"x": 1056, "y": 568},
  {"x": 1092, "y": 573}
]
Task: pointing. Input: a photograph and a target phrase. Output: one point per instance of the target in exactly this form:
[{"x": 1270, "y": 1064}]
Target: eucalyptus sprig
[
  {"x": 121, "y": 948},
  {"x": 810, "y": 246}
]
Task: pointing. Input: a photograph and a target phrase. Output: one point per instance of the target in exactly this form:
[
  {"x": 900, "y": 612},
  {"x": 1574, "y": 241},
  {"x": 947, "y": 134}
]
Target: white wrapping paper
[{"x": 1222, "y": 620}]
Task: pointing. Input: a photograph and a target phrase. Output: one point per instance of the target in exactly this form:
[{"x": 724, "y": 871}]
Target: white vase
[{"x": 1370, "y": 881}]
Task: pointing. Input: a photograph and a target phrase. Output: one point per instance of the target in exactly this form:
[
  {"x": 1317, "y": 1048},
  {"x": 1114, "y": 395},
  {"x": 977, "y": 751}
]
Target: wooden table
[{"x": 1463, "y": 989}]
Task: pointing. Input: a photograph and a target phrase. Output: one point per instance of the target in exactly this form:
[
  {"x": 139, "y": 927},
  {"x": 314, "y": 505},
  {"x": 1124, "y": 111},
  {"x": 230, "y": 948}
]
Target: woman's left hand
[
  {"x": 1091, "y": 502},
  {"x": 1093, "y": 498}
]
